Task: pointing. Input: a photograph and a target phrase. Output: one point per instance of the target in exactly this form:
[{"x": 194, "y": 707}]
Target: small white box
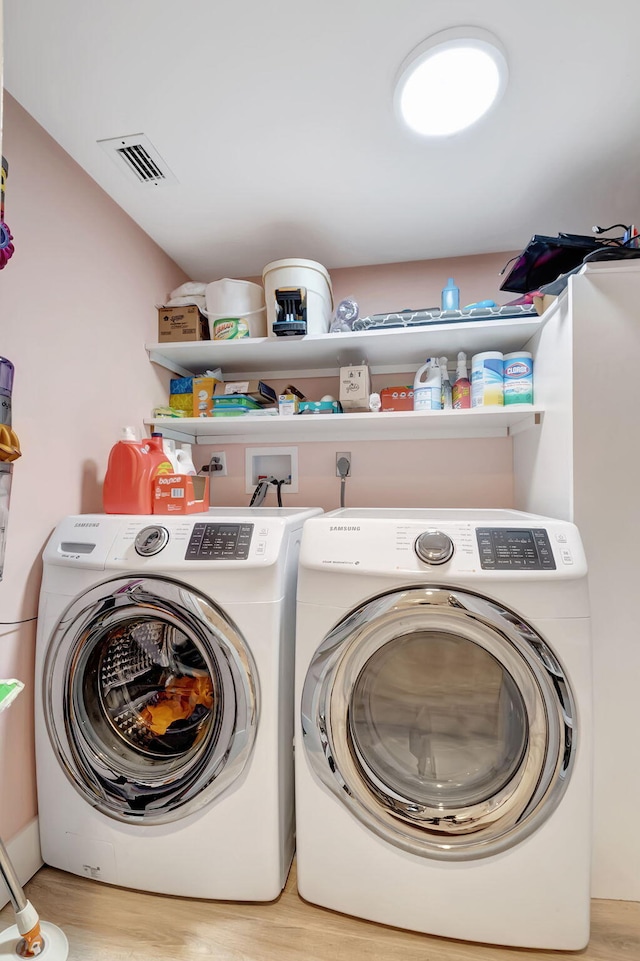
[
  {"x": 355, "y": 387},
  {"x": 287, "y": 404}
]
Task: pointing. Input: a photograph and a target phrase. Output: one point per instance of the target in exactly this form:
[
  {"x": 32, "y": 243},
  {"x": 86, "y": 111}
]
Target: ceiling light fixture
[{"x": 450, "y": 81}]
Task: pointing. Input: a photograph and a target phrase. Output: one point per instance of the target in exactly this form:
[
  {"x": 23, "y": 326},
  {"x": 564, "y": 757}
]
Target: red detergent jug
[{"x": 133, "y": 464}]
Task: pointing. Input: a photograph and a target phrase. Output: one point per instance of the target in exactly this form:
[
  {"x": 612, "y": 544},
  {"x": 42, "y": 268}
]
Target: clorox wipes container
[{"x": 518, "y": 378}]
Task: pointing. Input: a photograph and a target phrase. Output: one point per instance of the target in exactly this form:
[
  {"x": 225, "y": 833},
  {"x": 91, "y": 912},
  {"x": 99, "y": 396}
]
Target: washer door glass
[
  {"x": 442, "y": 720},
  {"x": 150, "y": 698}
]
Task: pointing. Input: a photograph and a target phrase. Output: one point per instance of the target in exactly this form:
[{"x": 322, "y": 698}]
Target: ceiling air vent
[{"x": 138, "y": 157}]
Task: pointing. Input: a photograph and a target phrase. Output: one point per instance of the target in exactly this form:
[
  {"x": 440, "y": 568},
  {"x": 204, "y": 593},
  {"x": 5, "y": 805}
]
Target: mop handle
[{"x": 18, "y": 899}]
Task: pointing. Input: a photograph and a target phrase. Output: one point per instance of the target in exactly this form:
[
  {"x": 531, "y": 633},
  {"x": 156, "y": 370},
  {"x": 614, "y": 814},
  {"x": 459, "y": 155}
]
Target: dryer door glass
[
  {"x": 436, "y": 718},
  {"x": 150, "y": 698},
  {"x": 442, "y": 720}
]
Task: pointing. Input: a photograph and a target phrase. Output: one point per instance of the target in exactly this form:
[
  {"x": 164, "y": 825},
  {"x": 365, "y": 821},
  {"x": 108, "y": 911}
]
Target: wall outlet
[
  {"x": 218, "y": 467},
  {"x": 347, "y": 456}
]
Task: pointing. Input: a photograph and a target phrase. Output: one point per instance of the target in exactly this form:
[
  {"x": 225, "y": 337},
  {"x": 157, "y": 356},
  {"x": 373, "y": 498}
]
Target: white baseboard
[{"x": 24, "y": 851}]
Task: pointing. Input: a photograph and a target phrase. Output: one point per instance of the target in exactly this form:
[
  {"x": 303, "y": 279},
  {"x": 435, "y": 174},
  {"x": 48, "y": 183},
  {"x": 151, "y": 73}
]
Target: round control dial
[
  {"x": 151, "y": 540},
  {"x": 434, "y": 547}
]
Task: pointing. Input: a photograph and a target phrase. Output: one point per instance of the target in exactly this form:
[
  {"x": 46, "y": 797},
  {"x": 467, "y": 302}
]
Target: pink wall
[
  {"x": 433, "y": 473},
  {"x": 76, "y": 308}
]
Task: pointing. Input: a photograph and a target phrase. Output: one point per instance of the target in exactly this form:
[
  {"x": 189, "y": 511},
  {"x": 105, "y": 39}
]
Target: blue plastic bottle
[{"x": 450, "y": 296}]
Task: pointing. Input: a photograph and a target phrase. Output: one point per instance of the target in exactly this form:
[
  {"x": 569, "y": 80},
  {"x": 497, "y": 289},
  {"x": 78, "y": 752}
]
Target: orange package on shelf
[
  {"x": 180, "y": 494},
  {"x": 396, "y": 398}
]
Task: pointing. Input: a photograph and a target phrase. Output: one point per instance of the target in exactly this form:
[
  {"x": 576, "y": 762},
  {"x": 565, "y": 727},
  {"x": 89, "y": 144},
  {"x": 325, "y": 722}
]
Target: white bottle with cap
[
  {"x": 185, "y": 462},
  {"x": 427, "y": 386},
  {"x": 169, "y": 447}
]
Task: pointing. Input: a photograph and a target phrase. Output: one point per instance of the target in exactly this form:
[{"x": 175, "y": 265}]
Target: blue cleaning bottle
[{"x": 450, "y": 296}]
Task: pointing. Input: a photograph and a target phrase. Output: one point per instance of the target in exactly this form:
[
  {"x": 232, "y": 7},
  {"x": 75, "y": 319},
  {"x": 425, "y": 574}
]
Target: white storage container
[
  {"x": 304, "y": 275},
  {"x": 236, "y": 308}
]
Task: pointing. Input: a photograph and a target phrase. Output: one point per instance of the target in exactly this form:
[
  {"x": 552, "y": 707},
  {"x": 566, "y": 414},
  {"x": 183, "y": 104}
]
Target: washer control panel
[
  {"x": 503, "y": 548},
  {"x": 219, "y": 542}
]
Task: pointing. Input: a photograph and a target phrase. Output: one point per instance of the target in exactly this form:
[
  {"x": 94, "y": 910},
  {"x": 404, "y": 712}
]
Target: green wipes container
[{"x": 518, "y": 378}]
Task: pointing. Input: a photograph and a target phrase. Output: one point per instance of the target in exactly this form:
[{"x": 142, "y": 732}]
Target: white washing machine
[
  {"x": 443, "y": 730},
  {"x": 164, "y": 700}
]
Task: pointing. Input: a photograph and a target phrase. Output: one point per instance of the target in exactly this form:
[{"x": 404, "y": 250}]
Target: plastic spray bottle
[
  {"x": 461, "y": 391},
  {"x": 427, "y": 386},
  {"x": 450, "y": 299},
  {"x": 446, "y": 393}
]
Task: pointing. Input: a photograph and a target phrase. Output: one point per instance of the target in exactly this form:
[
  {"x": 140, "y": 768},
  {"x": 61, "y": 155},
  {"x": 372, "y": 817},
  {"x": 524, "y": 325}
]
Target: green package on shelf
[
  {"x": 235, "y": 400},
  {"x": 236, "y": 411}
]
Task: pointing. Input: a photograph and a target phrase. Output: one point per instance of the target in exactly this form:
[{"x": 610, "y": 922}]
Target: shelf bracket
[
  {"x": 528, "y": 421},
  {"x": 158, "y": 357}
]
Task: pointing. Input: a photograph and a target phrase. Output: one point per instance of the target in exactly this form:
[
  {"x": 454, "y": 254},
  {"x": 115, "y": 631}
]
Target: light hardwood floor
[{"x": 104, "y": 923}]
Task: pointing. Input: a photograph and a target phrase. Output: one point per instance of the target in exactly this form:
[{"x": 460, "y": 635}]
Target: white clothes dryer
[
  {"x": 443, "y": 730},
  {"x": 164, "y": 700}
]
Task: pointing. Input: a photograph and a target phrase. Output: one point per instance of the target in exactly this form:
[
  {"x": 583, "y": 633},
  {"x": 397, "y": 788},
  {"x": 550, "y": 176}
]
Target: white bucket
[
  {"x": 307, "y": 274},
  {"x": 240, "y": 302}
]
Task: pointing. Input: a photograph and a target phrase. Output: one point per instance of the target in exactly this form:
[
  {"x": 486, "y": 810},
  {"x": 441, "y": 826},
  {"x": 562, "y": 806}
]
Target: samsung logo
[
  {"x": 343, "y": 527},
  {"x": 86, "y": 524}
]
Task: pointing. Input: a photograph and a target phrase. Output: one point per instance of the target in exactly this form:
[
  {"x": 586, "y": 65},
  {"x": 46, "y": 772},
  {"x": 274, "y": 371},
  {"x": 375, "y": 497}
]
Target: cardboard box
[
  {"x": 180, "y": 494},
  {"x": 542, "y": 303},
  {"x": 181, "y": 323},
  {"x": 288, "y": 404},
  {"x": 320, "y": 407},
  {"x": 181, "y": 385},
  {"x": 355, "y": 387},
  {"x": 182, "y": 402},
  {"x": 203, "y": 389},
  {"x": 396, "y": 398},
  {"x": 256, "y": 389}
]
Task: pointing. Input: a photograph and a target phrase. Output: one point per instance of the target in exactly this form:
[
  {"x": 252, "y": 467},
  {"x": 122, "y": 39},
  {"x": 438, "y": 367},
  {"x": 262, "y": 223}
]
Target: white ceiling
[{"x": 277, "y": 120}]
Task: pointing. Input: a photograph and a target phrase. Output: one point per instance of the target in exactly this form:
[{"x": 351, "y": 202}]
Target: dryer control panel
[
  {"x": 219, "y": 542},
  {"x": 502, "y": 548},
  {"x": 439, "y": 543}
]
